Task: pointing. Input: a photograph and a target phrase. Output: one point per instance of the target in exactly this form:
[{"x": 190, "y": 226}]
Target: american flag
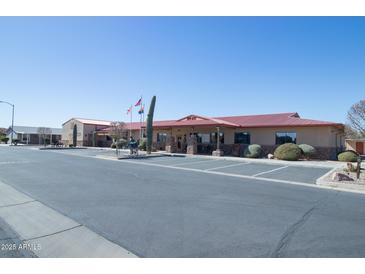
[{"x": 139, "y": 102}]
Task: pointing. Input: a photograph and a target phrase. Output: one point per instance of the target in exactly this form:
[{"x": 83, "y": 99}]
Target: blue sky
[{"x": 53, "y": 69}]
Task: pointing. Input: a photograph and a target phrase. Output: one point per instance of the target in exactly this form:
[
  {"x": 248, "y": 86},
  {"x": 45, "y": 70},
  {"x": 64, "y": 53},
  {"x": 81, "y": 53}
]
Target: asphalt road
[{"x": 160, "y": 212}]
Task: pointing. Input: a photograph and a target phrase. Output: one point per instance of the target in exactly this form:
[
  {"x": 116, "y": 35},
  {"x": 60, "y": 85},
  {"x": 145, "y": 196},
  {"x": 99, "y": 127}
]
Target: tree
[
  {"x": 117, "y": 131},
  {"x": 356, "y": 120},
  {"x": 43, "y": 132},
  {"x": 2, "y": 132},
  {"x": 150, "y": 125},
  {"x": 350, "y": 133},
  {"x": 3, "y": 135}
]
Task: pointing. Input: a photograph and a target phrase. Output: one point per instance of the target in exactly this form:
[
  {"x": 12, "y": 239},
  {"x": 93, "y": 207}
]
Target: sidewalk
[{"x": 47, "y": 233}]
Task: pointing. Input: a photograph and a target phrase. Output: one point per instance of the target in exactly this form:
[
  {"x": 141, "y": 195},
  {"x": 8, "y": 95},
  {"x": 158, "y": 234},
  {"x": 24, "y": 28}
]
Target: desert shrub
[
  {"x": 307, "y": 150},
  {"x": 288, "y": 152},
  {"x": 253, "y": 151},
  {"x": 142, "y": 144},
  {"x": 5, "y": 139},
  {"x": 347, "y": 156}
]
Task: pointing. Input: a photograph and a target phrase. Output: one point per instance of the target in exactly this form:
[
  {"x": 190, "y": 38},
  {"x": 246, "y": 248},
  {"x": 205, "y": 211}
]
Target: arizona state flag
[{"x": 141, "y": 110}]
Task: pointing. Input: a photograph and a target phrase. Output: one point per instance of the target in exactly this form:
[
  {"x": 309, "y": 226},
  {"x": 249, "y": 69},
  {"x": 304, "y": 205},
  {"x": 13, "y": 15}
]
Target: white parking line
[
  {"x": 220, "y": 167},
  {"x": 269, "y": 171},
  {"x": 14, "y": 162},
  {"x": 190, "y": 163}
]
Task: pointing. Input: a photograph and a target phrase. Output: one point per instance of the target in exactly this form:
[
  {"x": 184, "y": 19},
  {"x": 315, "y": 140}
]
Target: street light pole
[
  {"x": 12, "y": 126},
  {"x": 12, "y": 121}
]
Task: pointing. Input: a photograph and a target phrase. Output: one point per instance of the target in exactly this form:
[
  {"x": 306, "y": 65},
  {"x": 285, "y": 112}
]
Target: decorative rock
[
  {"x": 350, "y": 167},
  {"x": 218, "y": 153},
  {"x": 270, "y": 156},
  {"x": 338, "y": 177}
]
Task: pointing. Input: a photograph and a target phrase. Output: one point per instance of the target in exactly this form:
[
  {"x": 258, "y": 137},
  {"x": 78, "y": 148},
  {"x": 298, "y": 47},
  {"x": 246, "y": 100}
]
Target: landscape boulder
[{"x": 339, "y": 177}]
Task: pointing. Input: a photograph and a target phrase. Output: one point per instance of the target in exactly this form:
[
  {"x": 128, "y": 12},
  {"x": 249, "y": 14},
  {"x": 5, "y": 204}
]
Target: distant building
[
  {"x": 86, "y": 131},
  {"x": 30, "y": 136},
  {"x": 233, "y": 133}
]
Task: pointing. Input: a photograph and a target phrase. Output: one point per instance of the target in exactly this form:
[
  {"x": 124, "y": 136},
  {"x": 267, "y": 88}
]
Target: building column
[
  {"x": 171, "y": 144},
  {"x": 192, "y": 145},
  {"x": 218, "y": 152}
]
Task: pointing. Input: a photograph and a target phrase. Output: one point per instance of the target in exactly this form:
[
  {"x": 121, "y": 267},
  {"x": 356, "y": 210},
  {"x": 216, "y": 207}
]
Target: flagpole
[
  {"x": 143, "y": 116},
  {"x": 130, "y": 127},
  {"x": 140, "y": 120}
]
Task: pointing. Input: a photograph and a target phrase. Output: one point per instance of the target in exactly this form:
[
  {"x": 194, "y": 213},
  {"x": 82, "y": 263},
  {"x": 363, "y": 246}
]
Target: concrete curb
[
  {"x": 61, "y": 148},
  {"x": 49, "y": 234}
]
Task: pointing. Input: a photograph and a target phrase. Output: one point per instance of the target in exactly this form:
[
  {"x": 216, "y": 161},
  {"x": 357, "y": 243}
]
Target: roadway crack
[{"x": 288, "y": 235}]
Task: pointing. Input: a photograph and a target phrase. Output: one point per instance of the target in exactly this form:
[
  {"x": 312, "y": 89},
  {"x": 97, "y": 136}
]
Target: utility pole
[{"x": 12, "y": 121}]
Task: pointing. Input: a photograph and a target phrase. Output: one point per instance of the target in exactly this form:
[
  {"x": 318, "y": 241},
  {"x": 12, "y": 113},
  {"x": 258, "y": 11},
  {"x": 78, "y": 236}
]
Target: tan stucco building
[
  {"x": 357, "y": 145},
  {"x": 196, "y": 134},
  {"x": 87, "y": 132}
]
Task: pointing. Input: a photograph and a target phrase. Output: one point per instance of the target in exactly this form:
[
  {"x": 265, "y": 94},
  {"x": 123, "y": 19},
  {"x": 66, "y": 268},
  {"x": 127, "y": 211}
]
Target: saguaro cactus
[
  {"x": 74, "y": 136},
  {"x": 149, "y": 125}
]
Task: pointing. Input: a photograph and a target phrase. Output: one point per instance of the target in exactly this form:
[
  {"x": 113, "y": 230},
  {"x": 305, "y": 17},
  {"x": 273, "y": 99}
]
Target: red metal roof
[
  {"x": 276, "y": 120},
  {"x": 91, "y": 121},
  {"x": 291, "y": 119}
]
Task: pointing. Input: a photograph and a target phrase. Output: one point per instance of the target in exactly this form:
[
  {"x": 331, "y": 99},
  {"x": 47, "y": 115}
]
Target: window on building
[
  {"x": 242, "y": 138},
  {"x": 203, "y": 138},
  {"x": 213, "y": 137},
  {"x": 161, "y": 137},
  {"x": 286, "y": 137}
]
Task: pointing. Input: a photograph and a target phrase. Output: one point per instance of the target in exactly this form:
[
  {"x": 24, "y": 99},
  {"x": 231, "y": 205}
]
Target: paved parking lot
[
  {"x": 236, "y": 167},
  {"x": 240, "y": 168}
]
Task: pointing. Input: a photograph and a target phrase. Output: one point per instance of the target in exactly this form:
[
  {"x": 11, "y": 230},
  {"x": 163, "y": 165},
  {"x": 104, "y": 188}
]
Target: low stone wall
[
  {"x": 326, "y": 153},
  {"x": 237, "y": 150}
]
